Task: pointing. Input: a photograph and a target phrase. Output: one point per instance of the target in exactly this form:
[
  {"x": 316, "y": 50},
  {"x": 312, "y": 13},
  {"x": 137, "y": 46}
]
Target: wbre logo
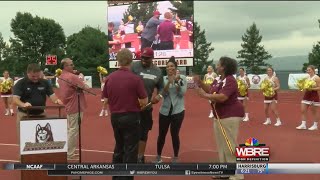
[{"x": 252, "y": 150}]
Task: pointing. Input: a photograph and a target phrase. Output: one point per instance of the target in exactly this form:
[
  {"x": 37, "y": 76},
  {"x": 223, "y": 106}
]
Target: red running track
[{"x": 197, "y": 142}]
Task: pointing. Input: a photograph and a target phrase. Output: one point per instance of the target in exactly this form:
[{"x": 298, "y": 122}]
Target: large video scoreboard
[{"x": 128, "y": 31}]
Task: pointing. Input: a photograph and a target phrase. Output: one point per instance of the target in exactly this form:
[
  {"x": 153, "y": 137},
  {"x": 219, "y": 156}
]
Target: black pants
[
  {"x": 146, "y": 123},
  {"x": 174, "y": 121},
  {"x": 126, "y": 133},
  {"x": 166, "y": 45},
  {"x": 145, "y": 43}
]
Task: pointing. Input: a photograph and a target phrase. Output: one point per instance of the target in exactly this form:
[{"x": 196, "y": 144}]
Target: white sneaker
[
  {"x": 7, "y": 113},
  {"x": 267, "y": 122},
  {"x": 105, "y": 113},
  {"x": 278, "y": 123},
  {"x": 101, "y": 113},
  {"x": 312, "y": 128},
  {"x": 211, "y": 115},
  {"x": 245, "y": 119},
  {"x": 302, "y": 126}
]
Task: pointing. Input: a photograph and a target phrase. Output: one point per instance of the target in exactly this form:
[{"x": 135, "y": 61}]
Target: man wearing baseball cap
[
  {"x": 152, "y": 78},
  {"x": 149, "y": 33}
]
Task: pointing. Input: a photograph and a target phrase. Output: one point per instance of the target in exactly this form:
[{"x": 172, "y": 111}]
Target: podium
[{"x": 43, "y": 140}]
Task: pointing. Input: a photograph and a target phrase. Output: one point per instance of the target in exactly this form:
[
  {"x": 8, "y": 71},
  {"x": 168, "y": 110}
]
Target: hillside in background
[{"x": 288, "y": 63}]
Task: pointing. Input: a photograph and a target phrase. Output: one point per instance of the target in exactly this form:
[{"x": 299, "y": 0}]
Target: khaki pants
[
  {"x": 231, "y": 126},
  {"x": 73, "y": 132}
]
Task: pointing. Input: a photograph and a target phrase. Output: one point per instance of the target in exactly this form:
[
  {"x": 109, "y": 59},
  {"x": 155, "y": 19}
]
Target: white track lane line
[
  {"x": 8, "y": 160},
  {"x": 90, "y": 150}
]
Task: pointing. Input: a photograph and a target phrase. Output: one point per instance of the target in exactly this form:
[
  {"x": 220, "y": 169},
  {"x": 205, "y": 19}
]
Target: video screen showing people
[{"x": 165, "y": 26}]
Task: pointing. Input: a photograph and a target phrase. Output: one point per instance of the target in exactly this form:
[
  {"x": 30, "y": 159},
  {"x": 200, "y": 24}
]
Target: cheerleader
[
  {"x": 121, "y": 30},
  {"x": 244, "y": 99},
  {"x": 6, "y": 95},
  {"x": 208, "y": 79},
  {"x": 104, "y": 104},
  {"x": 311, "y": 99},
  {"x": 271, "y": 102},
  {"x": 177, "y": 33},
  {"x": 139, "y": 29},
  {"x": 189, "y": 26}
]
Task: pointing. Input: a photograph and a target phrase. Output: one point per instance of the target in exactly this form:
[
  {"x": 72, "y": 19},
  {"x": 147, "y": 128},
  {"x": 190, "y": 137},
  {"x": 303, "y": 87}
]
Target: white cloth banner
[
  {"x": 255, "y": 80},
  {"x": 88, "y": 80},
  {"x": 293, "y": 79}
]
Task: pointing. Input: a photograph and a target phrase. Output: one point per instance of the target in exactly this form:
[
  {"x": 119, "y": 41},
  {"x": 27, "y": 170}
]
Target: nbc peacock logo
[
  {"x": 252, "y": 142},
  {"x": 252, "y": 150}
]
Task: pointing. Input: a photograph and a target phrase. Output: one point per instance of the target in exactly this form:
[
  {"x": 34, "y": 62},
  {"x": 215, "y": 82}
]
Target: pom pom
[
  {"x": 305, "y": 84},
  {"x": 308, "y": 84},
  {"x": 102, "y": 70},
  {"x": 58, "y": 72},
  {"x": 300, "y": 83},
  {"x": 6, "y": 86},
  {"x": 242, "y": 88},
  {"x": 267, "y": 88},
  {"x": 208, "y": 81},
  {"x": 139, "y": 29}
]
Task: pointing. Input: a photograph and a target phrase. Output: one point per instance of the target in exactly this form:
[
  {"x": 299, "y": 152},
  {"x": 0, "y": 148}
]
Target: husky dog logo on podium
[
  {"x": 43, "y": 137},
  {"x": 44, "y": 134}
]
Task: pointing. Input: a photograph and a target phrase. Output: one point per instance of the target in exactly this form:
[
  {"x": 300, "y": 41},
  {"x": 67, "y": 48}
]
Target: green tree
[
  {"x": 140, "y": 12},
  {"x": 184, "y": 9},
  {"x": 253, "y": 55},
  {"x": 88, "y": 49},
  {"x": 2, "y": 47},
  {"x": 12, "y": 60},
  {"x": 313, "y": 57},
  {"x": 202, "y": 50},
  {"x": 34, "y": 38}
]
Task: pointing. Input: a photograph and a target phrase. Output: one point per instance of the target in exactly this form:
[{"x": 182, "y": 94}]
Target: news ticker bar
[
  {"x": 140, "y": 173},
  {"x": 169, "y": 169},
  {"x": 121, "y": 167}
]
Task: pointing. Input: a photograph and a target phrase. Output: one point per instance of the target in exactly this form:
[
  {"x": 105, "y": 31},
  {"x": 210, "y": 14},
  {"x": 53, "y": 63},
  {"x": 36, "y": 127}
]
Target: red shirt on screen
[
  {"x": 123, "y": 89},
  {"x": 166, "y": 30},
  {"x": 232, "y": 106}
]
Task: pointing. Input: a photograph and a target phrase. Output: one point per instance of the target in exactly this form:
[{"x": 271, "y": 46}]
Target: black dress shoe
[{"x": 141, "y": 160}]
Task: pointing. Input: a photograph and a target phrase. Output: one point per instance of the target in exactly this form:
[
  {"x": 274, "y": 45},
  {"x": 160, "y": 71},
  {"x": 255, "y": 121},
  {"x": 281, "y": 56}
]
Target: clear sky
[
  {"x": 288, "y": 28},
  {"x": 71, "y": 15},
  {"x": 115, "y": 13}
]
